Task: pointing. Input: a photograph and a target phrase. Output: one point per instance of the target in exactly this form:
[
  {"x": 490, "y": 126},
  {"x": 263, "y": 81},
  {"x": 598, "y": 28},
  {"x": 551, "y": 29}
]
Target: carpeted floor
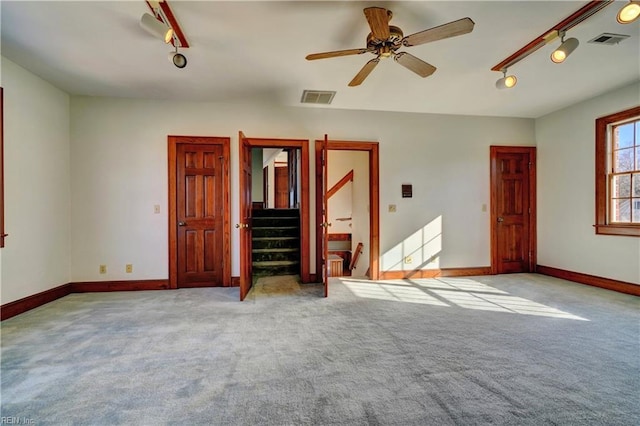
[{"x": 507, "y": 350}]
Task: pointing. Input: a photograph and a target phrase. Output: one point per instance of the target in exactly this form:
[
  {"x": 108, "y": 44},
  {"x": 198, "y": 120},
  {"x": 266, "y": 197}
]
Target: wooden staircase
[{"x": 275, "y": 242}]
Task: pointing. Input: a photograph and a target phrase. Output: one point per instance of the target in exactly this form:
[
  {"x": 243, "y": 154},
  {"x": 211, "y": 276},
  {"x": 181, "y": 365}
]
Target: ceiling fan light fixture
[
  {"x": 507, "y": 81},
  {"x": 156, "y": 28},
  {"x": 385, "y": 52},
  {"x": 629, "y": 12},
  {"x": 564, "y": 50}
]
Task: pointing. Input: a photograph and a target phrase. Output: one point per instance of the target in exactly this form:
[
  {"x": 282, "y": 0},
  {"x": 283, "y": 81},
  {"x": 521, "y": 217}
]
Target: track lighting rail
[
  {"x": 167, "y": 16},
  {"x": 562, "y": 27}
]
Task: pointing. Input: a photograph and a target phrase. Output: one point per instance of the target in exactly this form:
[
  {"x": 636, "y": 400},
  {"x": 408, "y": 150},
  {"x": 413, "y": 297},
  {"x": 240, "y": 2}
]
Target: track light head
[
  {"x": 560, "y": 54},
  {"x": 629, "y": 12},
  {"x": 178, "y": 59},
  {"x": 156, "y": 28},
  {"x": 507, "y": 81}
]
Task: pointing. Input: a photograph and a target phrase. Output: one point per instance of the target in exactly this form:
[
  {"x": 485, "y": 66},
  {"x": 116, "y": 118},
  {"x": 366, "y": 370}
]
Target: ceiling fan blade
[
  {"x": 378, "y": 20},
  {"x": 414, "y": 64},
  {"x": 452, "y": 29},
  {"x": 364, "y": 72},
  {"x": 335, "y": 54}
]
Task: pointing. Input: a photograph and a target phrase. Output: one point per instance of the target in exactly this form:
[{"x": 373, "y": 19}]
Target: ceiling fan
[{"x": 384, "y": 40}]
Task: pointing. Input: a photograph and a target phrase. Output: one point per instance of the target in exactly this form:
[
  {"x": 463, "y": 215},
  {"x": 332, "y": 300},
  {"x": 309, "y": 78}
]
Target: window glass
[
  {"x": 621, "y": 209},
  {"x": 623, "y": 136},
  {"x": 623, "y": 160},
  {"x": 621, "y": 186}
]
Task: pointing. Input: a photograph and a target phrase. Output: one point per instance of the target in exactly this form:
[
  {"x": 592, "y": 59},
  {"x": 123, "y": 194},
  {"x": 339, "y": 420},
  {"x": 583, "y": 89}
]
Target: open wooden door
[
  {"x": 244, "y": 224},
  {"x": 325, "y": 217}
]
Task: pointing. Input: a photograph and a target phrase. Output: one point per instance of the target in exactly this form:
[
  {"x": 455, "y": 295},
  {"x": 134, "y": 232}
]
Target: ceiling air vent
[
  {"x": 608, "y": 38},
  {"x": 317, "y": 97}
]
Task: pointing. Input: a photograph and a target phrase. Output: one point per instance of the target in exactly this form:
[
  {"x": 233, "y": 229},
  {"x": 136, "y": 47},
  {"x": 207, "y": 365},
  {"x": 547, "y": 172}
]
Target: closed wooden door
[
  {"x": 281, "y": 187},
  {"x": 199, "y": 213},
  {"x": 513, "y": 209}
]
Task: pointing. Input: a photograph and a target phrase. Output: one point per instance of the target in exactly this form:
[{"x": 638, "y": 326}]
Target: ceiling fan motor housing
[{"x": 384, "y": 47}]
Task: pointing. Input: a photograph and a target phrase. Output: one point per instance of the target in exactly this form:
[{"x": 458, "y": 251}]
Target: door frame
[
  {"x": 173, "y": 141},
  {"x": 303, "y": 145},
  {"x": 374, "y": 199},
  {"x": 531, "y": 152}
]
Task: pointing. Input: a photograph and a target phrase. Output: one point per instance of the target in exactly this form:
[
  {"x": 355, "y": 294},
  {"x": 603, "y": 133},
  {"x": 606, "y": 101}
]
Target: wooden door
[
  {"x": 200, "y": 215},
  {"x": 293, "y": 157},
  {"x": 281, "y": 187},
  {"x": 325, "y": 216},
  {"x": 513, "y": 209},
  {"x": 244, "y": 225}
]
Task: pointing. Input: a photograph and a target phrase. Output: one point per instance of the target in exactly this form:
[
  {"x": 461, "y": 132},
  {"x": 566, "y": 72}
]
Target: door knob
[
  {"x": 500, "y": 219},
  {"x": 182, "y": 223},
  {"x": 242, "y": 225}
]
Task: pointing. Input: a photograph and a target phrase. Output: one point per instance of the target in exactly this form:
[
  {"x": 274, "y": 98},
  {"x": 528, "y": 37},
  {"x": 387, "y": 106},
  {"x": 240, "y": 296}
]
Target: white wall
[
  {"x": 37, "y": 186},
  {"x": 119, "y": 171},
  {"x": 566, "y": 192}
]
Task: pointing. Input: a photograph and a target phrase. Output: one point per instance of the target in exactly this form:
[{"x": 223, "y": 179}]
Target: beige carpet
[
  {"x": 505, "y": 350},
  {"x": 282, "y": 285},
  {"x": 276, "y": 286}
]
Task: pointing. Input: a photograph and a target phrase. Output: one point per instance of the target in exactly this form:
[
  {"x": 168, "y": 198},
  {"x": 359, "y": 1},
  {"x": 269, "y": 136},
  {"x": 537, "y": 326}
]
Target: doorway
[
  {"x": 199, "y": 216},
  {"x": 371, "y": 148},
  {"x": 297, "y": 165},
  {"x": 513, "y": 209}
]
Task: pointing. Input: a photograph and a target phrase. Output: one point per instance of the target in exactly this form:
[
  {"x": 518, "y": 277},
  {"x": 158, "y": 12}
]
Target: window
[{"x": 618, "y": 173}]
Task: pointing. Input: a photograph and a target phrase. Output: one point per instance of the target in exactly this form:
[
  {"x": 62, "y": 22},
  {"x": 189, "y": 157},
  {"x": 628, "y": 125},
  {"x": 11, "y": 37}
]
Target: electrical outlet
[
  {"x": 408, "y": 260},
  {"x": 392, "y": 208},
  {"x": 103, "y": 269},
  {"x": 128, "y": 268}
]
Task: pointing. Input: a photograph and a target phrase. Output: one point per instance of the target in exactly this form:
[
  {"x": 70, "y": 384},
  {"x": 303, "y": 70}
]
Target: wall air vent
[
  {"x": 317, "y": 97},
  {"x": 608, "y": 38}
]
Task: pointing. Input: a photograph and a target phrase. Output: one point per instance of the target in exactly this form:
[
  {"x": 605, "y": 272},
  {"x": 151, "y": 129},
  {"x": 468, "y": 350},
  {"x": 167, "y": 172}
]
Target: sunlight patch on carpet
[{"x": 463, "y": 292}]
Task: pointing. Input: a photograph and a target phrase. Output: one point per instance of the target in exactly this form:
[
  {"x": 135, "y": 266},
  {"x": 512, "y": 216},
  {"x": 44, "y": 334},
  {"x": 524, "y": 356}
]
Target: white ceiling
[{"x": 255, "y": 51}]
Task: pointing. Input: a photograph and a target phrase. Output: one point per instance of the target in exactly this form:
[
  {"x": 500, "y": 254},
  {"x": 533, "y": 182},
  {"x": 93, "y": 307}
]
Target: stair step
[
  {"x": 274, "y": 263},
  {"x": 275, "y": 232},
  {"x": 274, "y": 222},
  {"x": 276, "y": 250},
  {"x": 275, "y": 218},
  {"x": 271, "y": 268},
  {"x": 273, "y": 227},
  {"x": 276, "y": 213},
  {"x": 276, "y": 243},
  {"x": 273, "y": 238},
  {"x": 265, "y": 255}
]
